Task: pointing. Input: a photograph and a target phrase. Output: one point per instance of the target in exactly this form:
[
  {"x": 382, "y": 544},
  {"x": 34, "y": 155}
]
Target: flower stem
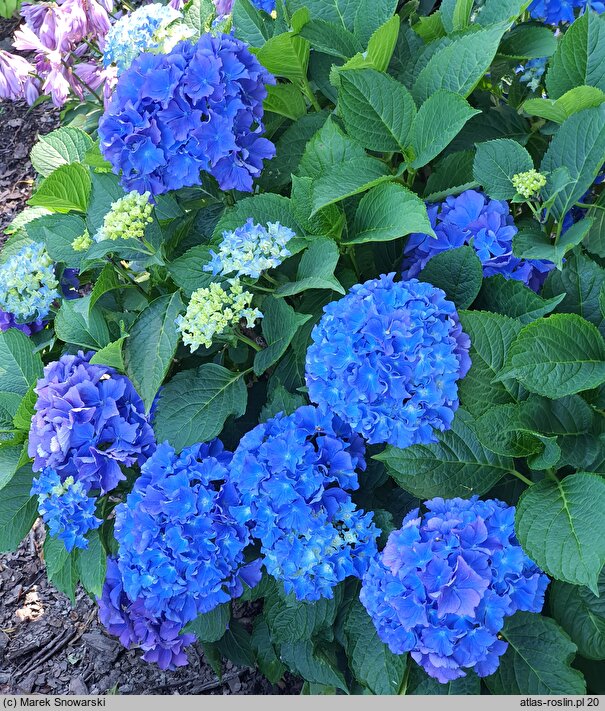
[
  {"x": 308, "y": 92},
  {"x": 248, "y": 341},
  {"x": 124, "y": 272},
  {"x": 521, "y": 477}
]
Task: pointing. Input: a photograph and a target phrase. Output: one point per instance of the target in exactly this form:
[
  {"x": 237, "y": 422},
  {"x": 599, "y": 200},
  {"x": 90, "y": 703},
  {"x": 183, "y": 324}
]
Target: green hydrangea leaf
[
  {"x": 373, "y": 664},
  {"x": 581, "y": 614},
  {"x": 457, "y": 465},
  {"x": 537, "y": 660},
  {"x": 196, "y": 403},
  {"x": 458, "y": 272},
  {"x": 152, "y": 344},
  {"x": 561, "y": 526},
  {"x": 561, "y": 355}
]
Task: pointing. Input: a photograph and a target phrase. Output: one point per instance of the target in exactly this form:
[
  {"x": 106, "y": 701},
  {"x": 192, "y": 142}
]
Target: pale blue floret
[
  {"x": 251, "y": 249},
  {"x": 28, "y": 285},
  {"x": 143, "y": 30}
]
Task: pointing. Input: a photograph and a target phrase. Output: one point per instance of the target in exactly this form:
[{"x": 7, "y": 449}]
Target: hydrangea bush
[{"x": 302, "y": 336}]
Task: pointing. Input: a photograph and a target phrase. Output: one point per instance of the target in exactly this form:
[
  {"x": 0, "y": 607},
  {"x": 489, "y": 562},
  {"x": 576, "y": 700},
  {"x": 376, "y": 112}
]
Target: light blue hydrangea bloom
[
  {"x": 66, "y": 508},
  {"x": 251, "y": 249},
  {"x": 148, "y": 29},
  {"x": 532, "y": 71},
  {"x": 28, "y": 285}
]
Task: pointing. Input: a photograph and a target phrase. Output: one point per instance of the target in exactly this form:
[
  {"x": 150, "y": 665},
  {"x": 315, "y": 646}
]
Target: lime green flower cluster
[
  {"x": 127, "y": 218},
  {"x": 82, "y": 243},
  {"x": 529, "y": 184},
  {"x": 215, "y": 311}
]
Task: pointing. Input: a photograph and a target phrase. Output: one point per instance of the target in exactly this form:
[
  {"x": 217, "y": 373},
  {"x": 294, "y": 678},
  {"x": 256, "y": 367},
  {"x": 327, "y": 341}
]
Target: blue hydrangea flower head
[
  {"x": 294, "y": 474},
  {"x": 8, "y": 321},
  {"x": 267, "y": 5},
  {"x": 150, "y": 28},
  {"x": 180, "y": 550},
  {"x": 557, "y": 12},
  {"x": 197, "y": 108},
  {"x": 386, "y": 358},
  {"x": 224, "y": 7},
  {"x": 446, "y": 581},
  {"x": 66, "y": 508},
  {"x": 88, "y": 421},
  {"x": 532, "y": 71},
  {"x": 28, "y": 285},
  {"x": 251, "y": 249},
  {"x": 487, "y": 225},
  {"x": 160, "y": 639}
]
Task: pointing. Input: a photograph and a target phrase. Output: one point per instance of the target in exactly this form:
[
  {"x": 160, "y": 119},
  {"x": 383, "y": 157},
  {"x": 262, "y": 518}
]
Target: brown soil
[{"x": 49, "y": 647}]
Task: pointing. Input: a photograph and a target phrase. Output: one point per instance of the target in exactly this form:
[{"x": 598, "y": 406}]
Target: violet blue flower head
[
  {"x": 88, "y": 421},
  {"x": 445, "y": 582},
  {"x": 557, "y": 12},
  {"x": 70, "y": 284},
  {"x": 66, "y": 508},
  {"x": 224, "y": 7},
  {"x": 159, "y": 638},
  {"x": 294, "y": 474},
  {"x": 180, "y": 550},
  {"x": 7, "y": 320},
  {"x": 487, "y": 225},
  {"x": 197, "y": 108},
  {"x": 386, "y": 359}
]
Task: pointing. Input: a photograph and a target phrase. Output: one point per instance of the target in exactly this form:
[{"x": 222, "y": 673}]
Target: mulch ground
[{"x": 49, "y": 647}]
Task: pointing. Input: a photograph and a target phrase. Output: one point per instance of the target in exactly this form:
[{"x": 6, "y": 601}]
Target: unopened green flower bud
[
  {"x": 82, "y": 243},
  {"x": 529, "y": 184},
  {"x": 215, "y": 311},
  {"x": 127, "y": 218}
]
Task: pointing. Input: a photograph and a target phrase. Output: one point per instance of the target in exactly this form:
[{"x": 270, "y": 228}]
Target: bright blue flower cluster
[
  {"x": 445, "y": 582},
  {"x": 66, "y": 508},
  {"x": 386, "y": 359},
  {"x": 28, "y": 285},
  {"x": 180, "y": 550},
  {"x": 251, "y": 249},
  {"x": 159, "y": 638},
  {"x": 88, "y": 421},
  {"x": 143, "y": 30},
  {"x": 487, "y": 225},
  {"x": 267, "y": 5},
  {"x": 532, "y": 71},
  {"x": 198, "y": 108},
  {"x": 556, "y": 12},
  {"x": 294, "y": 474}
]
